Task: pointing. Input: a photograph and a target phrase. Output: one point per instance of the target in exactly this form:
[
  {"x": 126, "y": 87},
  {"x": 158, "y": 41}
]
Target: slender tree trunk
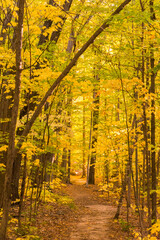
[
  {"x": 136, "y": 162},
  {"x": 146, "y": 156},
  {"x": 145, "y": 132},
  {"x": 64, "y": 164},
  {"x": 96, "y": 100},
  {"x": 16, "y": 174},
  {"x": 22, "y": 190},
  {"x": 5, "y": 113},
  {"x": 123, "y": 190},
  {"x": 107, "y": 165},
  {"x": 5, "y": 25},
  {"x": 130, "y": 150},
  {"x": 69, "y": 124},
  {"x": 11, "y": 145},
  {"x": 89, "y": 154},
  {"x": 84, "y": 142},
  {"x": 69, "y": 166},
  {"x": 153, "y": 151}
]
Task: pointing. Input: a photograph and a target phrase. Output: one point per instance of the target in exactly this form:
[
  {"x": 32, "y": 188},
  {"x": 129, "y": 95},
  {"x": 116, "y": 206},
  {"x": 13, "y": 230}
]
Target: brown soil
[{"x": 95, "y": 220}]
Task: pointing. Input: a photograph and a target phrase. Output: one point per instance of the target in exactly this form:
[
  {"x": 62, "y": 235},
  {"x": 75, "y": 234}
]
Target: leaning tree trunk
[
  {"x": 72, "y": 63},
  {"x": 11, "y": 145}
]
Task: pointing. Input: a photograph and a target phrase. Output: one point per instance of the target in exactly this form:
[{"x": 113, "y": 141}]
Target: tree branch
[{"x": 105, "y": 25}]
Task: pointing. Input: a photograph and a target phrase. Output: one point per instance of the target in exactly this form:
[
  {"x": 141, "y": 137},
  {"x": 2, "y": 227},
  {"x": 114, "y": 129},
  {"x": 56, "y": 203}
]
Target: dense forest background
[{"x": 79, "y": 94}]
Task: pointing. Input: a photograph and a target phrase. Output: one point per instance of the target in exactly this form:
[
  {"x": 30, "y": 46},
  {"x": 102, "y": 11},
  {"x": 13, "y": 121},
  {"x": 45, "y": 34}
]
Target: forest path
[{"x": 95, "y": 214}]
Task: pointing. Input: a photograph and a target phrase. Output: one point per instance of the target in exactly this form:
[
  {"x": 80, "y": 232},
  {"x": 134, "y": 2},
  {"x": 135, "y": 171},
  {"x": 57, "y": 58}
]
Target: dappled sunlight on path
[{"x": 78, "y": 180}]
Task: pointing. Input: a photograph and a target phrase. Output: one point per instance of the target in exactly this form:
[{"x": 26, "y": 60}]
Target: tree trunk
[
  {"x": 64, "y": 165},
  {"x": 48, "y": 23},
  {"x": 96, "y": 100},
  {"x": 69, "y": 166},
  {"x": 84, "y": 143},
  {"x": 69, "y": 125},
  {"x": 16, "y": 176},
  {"x": 90, "y": 140},
  {"x": 11, "y": 145},
  {"x": 153, "y": 153},
  {"x": 5, "y": 117}
]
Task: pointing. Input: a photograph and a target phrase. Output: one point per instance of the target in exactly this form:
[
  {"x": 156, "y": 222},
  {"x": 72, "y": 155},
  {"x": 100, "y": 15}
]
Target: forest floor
[
  {"x": 95, "y": 214},
  {"x": 88, "y": 216},
  {"x": 90, "y": 219}
]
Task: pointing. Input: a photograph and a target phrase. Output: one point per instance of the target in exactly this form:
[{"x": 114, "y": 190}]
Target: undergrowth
[{"x": 51, "y": 194}]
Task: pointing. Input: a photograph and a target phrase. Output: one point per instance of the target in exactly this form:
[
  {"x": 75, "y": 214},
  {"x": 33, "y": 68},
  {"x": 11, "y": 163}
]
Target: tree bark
[
  {"x": 84, "y": 142},
  {"x": 153, "y": 143},
  {"x": 48, "y": 23},
  {"x": 90, "y": 140},
  {"x": 64, "y": 165},
  {"x": 96, "y": 100},
  {"x": 11, "y": 145},
  {"x": 5, "y": 25}
]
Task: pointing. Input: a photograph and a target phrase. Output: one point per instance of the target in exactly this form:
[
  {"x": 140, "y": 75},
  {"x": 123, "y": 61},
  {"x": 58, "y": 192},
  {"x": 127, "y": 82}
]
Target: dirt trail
[{"x": 95, "y": 216}]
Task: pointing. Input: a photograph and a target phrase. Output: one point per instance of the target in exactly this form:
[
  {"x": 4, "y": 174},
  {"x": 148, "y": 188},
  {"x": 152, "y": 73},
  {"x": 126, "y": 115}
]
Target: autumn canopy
[{"x": 80, "y": 95}]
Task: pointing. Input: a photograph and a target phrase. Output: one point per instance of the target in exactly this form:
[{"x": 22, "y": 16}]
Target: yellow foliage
[
  {"x": 57, "y": 183},
  {"x": 13, "y": 220},
  {"x": 29, "y": 149},
  {"x": 2, "y": 167},
  {"x": 3, "y": 148},
  {"x": 1, "y": 212},
  {"x": 155, "y": 229},
  {"x": 36, "y": 163}
]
